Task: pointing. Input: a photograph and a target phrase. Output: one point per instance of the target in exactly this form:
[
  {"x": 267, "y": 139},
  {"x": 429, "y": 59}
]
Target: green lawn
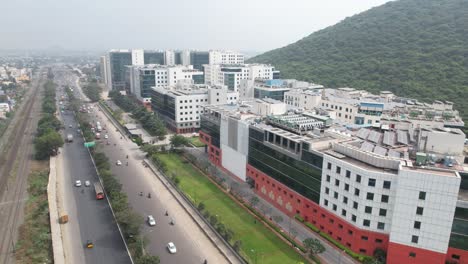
[
  {"x": 269, "y": 248},
  {"x": 196, "y": 142}
]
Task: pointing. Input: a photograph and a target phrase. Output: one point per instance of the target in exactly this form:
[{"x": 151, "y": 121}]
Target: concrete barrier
[{"x": 57, "y": 243}]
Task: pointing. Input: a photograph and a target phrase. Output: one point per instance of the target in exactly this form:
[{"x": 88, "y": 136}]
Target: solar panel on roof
[
  {"x": 402, "y": 137},
  {"x": 389, "y": 138},
  {"x": 380, "y": 150},
  {"x": 363, "y": 133},
  {"x": 366, "y": 146},
  {"x": 375, "y": 136}
]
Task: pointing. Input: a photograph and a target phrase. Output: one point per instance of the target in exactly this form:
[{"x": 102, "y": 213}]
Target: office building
[
  {"x": 232, "y": 75},
  {"x": 181, "y": 105},
  {"x": 379, "y": 187}
]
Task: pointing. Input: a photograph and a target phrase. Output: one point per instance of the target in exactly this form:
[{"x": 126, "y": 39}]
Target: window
[
  {"x": 368, "y": 210},
  {"x": 328, "y": 178},
  {"x": 387, "y": 184},
  {"x": 364, "y": 238},
  {"x": 366, "y": 222},
  {"x": 362, "y": 250},
  {"x": 384, "y": 198},
  {"x": 355, "y": 205},
  {"x": 419, "y": 210},
  {"x": 358, "y": 178},
  {"x": 343, "y": 212},
  {"x": 455, "y": 256},
  {"x": 327, "y": 190},
  {"x": 417, "y": 225},
  {"x": 370, "y": 196},
  {"x": 350, "y": 232},
  {"x": 334, "y": 207},
  {"x": 378, "y": 240},
  {"x": 338, "y": 169},
  {"x": 345, "y": 199},
  {"x": 371, "y": 182},
  {"x": 380, "y": 225},
  {"x": 356, "y": 191},
  {"x": 337, "y": 182},
  {"x": 383, "y": 212},
  {"x": 412, "y": 254},
  {"x": 335, "y": 195},
  {"x": 329, "y": 166},
  {"x": 414, "y": 239},
  {"x": 422, "y": 195},
  {"x": 325, "y": 202},
  {"x": 346, "y": 187},
  {"x": 353, "y": 218},
  {"x": 348, "y": 174}
]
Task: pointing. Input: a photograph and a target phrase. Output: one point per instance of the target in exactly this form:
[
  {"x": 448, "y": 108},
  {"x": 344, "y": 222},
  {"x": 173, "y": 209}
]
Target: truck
[{"x": 69, "y": 138}]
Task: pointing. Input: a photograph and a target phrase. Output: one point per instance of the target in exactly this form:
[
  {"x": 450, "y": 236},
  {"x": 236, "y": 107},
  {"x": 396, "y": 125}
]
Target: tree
[
  {"x": 147, "y": 259},
  {"x": 178, "y": 140},
  {"x": 380, "y": 254},
  {"x": 213, "y": 220},
  {"x": 47, "y": 144},
  {"x": 254, "y": 201},
  {"x": 201, "y": 206},
  {"x": 314, "y": 246}
]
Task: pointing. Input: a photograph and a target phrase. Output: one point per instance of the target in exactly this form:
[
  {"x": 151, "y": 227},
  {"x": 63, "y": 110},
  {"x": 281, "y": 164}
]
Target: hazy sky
[{"x": 246, "y": 25}]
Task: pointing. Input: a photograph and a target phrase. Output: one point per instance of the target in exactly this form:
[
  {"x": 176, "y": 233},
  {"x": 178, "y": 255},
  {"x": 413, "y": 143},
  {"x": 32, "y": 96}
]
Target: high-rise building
[
  {"x": 225, "y": 57},
  {"x": 232, "y": 75},
  {"x": 154, "y": 57}
]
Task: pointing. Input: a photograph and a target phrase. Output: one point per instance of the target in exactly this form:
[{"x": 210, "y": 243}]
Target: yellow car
[{"x": 89, "y": 244}]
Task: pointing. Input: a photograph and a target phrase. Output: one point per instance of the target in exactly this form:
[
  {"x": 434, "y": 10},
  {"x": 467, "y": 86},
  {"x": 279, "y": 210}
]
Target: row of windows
[
  {"x": 337, "y": 107},
  {"x": 369, "y": 196},
  {"x": 371, "y": 182},
  {"x": 189, "y": 101}
]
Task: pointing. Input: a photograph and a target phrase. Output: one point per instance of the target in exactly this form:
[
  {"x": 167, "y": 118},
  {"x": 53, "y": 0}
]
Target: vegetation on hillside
[{"x": 415, "y": 48}]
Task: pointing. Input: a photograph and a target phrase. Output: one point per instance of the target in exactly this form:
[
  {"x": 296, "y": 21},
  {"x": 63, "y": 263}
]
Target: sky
[{"x": 242, "y": 25}]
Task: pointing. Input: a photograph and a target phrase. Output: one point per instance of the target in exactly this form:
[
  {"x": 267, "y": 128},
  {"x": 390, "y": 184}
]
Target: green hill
[{"x": 415, "y": 48}]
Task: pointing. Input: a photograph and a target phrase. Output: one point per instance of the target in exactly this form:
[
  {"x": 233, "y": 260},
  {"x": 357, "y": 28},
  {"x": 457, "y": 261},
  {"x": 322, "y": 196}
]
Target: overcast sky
[{"x": 245, "y": 25}]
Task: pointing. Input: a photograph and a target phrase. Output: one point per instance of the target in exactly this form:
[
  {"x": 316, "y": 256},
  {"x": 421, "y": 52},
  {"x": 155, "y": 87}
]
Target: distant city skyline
[{"x": 248, "y": 26}]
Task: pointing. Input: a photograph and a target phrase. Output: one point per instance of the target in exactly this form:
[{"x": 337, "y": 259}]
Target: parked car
[
  {"x": 151, "y": 220},
  {"x": 171, "y": 247},
  {"x": 87, "y": 183},
  {"x": 78, "y": 183},
  {"x": 106, "y": 136},
  {"x": 118, "y": 163}
]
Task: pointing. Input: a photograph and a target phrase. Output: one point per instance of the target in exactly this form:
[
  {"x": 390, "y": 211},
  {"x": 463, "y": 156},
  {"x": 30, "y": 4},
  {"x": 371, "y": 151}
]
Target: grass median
[{"x": 259, "y": 244}]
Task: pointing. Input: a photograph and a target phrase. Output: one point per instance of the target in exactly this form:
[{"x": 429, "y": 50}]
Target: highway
[
  {"x": 90, "y": 219},
  {"x": 192, "y": 244}
]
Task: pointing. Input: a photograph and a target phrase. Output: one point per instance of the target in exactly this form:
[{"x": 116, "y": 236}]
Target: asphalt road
[
  {"x": 192, "y": 245},
  {"x": 93, "y": 217}
]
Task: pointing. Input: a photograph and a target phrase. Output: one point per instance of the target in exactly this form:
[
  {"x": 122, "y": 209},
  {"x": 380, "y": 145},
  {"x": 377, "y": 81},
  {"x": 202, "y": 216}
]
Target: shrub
[
  {"x": 201, "y": 207},
  {"x": 299, "y": 218},
  {"x": 237, "y": 245}
]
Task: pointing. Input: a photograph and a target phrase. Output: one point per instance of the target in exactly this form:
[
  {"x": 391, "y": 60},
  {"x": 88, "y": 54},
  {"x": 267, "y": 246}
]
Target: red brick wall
[
  {"x": 214, "y": 153},
  {"x": 294, "y": 203},
  {"x": 398, "y": 253},
  {"x": 463, "y": 254}
]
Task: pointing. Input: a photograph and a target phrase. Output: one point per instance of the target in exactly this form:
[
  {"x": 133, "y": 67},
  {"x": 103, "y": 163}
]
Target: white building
[
  {"x": 232, "y": 75},
  {"x": 182, "y": 104},
  {"x": 226, "y": 57},
  {"x": 143, "y": 77}
]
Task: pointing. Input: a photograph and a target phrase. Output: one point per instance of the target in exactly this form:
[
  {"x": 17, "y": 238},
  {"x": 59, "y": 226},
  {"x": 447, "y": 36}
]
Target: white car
[
  {"x": 78, "y": 183},
  {"x": 118, "y": 163},
  {"x": 87, "y": 183},
  {"x": 106, "y": 136},
  {"x": 151, "y": 220},
  {"x": 70, "y": 126},
  {"x": 171, "y": 247}
]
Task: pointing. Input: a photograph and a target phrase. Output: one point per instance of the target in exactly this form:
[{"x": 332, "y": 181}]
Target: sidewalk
[
  {"x": 209, "y": 232},
  {"x": 56, "y": 233}
]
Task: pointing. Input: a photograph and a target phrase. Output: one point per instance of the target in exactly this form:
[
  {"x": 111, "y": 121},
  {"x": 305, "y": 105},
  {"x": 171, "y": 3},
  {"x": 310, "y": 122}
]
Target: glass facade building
[
  {"x": 154, "y": 57},
  {"x": 198, "y": 58},
  {"x": 302, "y": 175},
  {"x": 163, "y": 105},
  {"x": 211, "y": 125},
  {"x": 118, "y": 63},
  {"x": 147, "y": 80},
  {"x": 277, "y": 94}
]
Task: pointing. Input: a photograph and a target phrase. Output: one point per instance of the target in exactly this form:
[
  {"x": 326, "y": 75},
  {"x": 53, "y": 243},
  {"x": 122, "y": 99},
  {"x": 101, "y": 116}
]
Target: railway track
[{"x": 17, "y": 160}]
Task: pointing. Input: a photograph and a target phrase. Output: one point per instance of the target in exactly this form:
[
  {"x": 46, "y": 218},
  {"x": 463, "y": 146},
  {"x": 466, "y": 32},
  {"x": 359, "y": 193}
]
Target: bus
[{"x": 99, "y": 191}]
